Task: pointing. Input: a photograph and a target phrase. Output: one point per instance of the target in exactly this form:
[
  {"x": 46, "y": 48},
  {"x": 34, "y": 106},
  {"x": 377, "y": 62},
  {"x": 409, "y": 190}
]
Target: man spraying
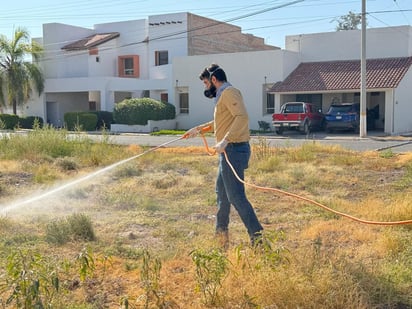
[{"x": 231, "y": 129}]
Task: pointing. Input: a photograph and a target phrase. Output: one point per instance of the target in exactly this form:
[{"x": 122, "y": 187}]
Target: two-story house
[{"x": 92, "y": 69}]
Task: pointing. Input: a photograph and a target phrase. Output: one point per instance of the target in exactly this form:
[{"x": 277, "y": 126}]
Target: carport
[{"x": 324, "y": 83}]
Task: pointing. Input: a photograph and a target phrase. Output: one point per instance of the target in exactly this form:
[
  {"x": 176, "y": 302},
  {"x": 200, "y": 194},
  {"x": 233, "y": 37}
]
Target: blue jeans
[{"x": 230, "y": 191}]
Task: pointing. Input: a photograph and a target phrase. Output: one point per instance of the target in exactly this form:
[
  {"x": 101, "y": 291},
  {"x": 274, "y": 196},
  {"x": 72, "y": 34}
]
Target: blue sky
[{"x": 266, "y": 19}]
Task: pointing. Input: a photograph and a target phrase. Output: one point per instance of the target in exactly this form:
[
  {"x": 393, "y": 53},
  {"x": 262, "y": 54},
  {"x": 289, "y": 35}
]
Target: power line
[{"x": 213, "y": 24}]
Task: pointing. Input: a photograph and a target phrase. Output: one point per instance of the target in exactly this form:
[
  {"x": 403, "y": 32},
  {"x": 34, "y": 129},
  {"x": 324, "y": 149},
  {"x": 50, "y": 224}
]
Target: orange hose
[{"x": 302, "y": 197}]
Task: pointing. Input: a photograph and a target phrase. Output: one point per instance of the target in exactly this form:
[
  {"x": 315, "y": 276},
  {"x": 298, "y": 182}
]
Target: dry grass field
[{"x": 141, "y": 234}]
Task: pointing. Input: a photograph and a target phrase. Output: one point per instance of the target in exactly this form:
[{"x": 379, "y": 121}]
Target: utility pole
[{"x": 362, "y": 126}]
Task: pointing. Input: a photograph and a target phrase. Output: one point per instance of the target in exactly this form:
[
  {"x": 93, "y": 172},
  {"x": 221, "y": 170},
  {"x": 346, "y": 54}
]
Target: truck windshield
[{"x": 293, "y": 108}]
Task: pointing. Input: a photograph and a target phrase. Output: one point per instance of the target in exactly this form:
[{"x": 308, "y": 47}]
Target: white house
[
  {"x": 161, "y": 57},
  {"x": 93, "y": 69},
  {"x": 320, "y": 68}
]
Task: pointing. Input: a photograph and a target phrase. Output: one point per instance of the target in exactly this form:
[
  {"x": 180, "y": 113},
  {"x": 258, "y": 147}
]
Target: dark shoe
[{"x": 256, "y": 239}]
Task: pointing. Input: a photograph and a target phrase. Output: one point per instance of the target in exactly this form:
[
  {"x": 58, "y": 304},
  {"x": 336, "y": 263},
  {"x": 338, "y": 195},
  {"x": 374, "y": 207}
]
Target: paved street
[
  {"x": 374, "y": 141},
  {"x": 350, "y": 141}
]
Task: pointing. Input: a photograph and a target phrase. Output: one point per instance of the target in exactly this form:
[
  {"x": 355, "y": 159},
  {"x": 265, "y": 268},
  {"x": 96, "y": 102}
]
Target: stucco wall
[
  {"x": 56, "y": 64},
  {"x": 246, "y": 71},
  {"x": 346, "y": 45},
  {"x": 402, "y": 105},
  {"x": 167, "y": 32},
  {"x": 131, "y": 41}
]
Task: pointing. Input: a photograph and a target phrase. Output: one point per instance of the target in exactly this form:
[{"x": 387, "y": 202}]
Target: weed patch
[{"x": 142, "y": 234}]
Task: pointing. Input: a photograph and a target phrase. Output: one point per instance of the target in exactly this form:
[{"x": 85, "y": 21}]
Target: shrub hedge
[
  {"x": 28, "y": 122},
  {"x": 140, "y": 110},
  {"x": 84, "y": 121},
  {"x": 104, "y": 119},
  {"x": 10, "y": 121}
]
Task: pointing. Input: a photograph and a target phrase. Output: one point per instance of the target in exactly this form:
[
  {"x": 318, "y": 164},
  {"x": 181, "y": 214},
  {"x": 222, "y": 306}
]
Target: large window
[
  {"x": 161, "y": 57},
  {"x": 184, "y": 103},
  {"x": 270, "y": 103},
  {"x": 128, "y": 66}
]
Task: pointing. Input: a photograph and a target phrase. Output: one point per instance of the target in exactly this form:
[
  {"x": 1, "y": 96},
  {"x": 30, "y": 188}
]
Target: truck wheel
[
  {"x": 305, "y": 129},
  {"x": 279, "y": 131}
]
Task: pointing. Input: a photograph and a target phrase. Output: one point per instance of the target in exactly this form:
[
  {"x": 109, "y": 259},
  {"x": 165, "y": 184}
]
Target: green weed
[
  {"x": 211, "y": 270},
  {"x": 30, "y": 281},
  {"x": 150, "y": 279}
]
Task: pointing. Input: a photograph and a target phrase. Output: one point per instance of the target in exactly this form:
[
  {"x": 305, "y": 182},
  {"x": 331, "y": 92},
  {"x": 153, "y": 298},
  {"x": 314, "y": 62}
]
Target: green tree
[
  {"x": 18, "y": 76},
  {"x": 351, "y": 21}
]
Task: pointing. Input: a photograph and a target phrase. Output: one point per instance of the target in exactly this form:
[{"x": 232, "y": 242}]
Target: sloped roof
[
  {"x": 91, "y": 41},
  {"x": 344, "y": 75}
]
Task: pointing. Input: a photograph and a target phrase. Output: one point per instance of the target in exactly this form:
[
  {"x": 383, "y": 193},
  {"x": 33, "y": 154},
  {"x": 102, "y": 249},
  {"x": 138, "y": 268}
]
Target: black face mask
[{"x": 211, "y": 92}]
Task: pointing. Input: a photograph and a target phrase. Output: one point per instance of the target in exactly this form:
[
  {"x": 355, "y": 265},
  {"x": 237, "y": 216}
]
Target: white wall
[
  {"x": 402, "y": 105},
  {"x": 346, "y": 45},
  {"x": 133, "y": 33},
  {"x": 107, "y": 64},
  {"x": 245, "y": 71},
  {"x": 55, "y": 36},
  {"x": 168, "y": 32}
]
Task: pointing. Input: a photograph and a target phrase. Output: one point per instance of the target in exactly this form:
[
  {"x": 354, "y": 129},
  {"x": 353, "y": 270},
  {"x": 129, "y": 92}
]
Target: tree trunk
[{"x": 14, "y": 107}]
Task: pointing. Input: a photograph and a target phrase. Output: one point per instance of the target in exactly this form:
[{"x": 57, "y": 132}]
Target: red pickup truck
[{"x": 300, "y": 116}]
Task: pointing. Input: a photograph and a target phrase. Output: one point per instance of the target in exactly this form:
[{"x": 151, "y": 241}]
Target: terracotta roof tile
[
  {"x": 91, "y": 41},
  {"x": 344, "y": 75}
]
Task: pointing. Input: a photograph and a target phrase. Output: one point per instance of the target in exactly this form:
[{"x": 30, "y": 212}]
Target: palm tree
[{"x": 18, "y": 76}]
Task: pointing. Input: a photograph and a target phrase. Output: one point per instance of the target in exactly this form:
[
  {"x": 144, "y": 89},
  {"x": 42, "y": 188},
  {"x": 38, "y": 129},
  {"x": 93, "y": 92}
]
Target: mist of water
[{"x": 4, "y": 209}]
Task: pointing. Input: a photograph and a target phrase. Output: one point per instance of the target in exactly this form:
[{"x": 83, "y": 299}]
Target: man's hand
[
  {"x": 221, "y": 146},
  {"x": 193, "y": 132}
]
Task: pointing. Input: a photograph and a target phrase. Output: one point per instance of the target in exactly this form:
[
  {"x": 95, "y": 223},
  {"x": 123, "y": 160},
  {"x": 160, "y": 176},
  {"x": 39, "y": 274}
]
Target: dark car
[{"x": 343, "y": 116}]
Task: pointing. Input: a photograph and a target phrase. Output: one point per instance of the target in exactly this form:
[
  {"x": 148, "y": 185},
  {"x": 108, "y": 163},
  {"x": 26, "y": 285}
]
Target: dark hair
[{"x": 213, "y": 70}]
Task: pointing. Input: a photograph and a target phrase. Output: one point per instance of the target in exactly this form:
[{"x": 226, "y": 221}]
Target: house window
[
  {"x": 161, "y": 57},
  {"x": 270, "y": 103},
  {"x": 128, "y": 66},
  {"x": 184, "y": 103},
  {"x": 164, "y": 97}
]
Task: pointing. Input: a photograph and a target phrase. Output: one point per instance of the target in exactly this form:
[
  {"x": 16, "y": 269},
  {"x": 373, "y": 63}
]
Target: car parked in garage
[
  {"x": 343, "y": 116},
  {"x": 300, "y": 116}
]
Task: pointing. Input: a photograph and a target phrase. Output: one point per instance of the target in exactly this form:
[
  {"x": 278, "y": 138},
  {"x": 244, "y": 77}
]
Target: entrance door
[{"x": 52, "y": 113}]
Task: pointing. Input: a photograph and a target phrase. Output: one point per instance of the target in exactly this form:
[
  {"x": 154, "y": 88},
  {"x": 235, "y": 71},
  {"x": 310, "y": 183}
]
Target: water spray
[{"x": 16, "y": 205}]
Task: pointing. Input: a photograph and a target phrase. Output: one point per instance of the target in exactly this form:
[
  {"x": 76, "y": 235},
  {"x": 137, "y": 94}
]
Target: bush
[
  {"x": 77, "y": 227},
  {"x": 104, "y": 119},
  {"x": 9, "y": 122},
  {"x": 139, "y": 111},
  {"x": 28, "y": 122},
  {"x": 84, "y": 121}
]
